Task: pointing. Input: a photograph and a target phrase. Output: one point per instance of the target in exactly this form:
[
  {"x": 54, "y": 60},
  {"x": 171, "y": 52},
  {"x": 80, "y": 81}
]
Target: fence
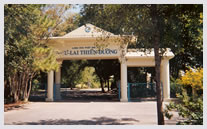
[
  {"x": 136, "y": 91},
  {"x": 41, "y": 88}
]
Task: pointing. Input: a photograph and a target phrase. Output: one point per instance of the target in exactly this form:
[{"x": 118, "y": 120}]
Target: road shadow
[
  {"x": 142, "y": 99},
  {"x": 79, "y": 96},
  {"x": 87, "y": 95},
  {"x": 93, "y": 121}
]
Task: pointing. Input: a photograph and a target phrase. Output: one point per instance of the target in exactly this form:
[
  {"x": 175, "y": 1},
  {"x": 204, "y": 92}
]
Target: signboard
[{"x": 87, "y": 51}]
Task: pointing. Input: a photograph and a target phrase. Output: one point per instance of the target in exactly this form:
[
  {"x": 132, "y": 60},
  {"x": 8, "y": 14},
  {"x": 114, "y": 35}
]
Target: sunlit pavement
[{"x": 84, "y": 113}]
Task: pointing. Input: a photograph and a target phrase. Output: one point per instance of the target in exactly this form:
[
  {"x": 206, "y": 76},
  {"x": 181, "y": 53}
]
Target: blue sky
[{"x": 76, "y": 9}]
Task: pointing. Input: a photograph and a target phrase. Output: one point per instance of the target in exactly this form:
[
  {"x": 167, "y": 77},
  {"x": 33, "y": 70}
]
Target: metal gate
[{"x": 137, "y": 91}]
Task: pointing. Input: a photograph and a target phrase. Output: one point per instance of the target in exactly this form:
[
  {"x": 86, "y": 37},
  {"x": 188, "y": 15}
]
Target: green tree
[
  {"x": 27, "y": 28},
  {"x": 89, "y": 78},
  {"x": 71, "y": 72},
  {"x": 104, "y": 69}
]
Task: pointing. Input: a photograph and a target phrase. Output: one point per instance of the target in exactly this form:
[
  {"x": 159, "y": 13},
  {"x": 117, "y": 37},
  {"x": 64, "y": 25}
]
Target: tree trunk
[
  {"x": 158, "y": 89},
  {"x": 102, "y": 86},
  {"x": 21, "y": 84},
  {"x": 156, "y": 39},
  {"x": 25, "y": 84},
  {"x": 15, "y": 88},
  {"x": 26, "y": 89},
  {"x": 18, "y": 85},
  {"x": 26, "y": 97},
  {"x": 108, "y": 84}
]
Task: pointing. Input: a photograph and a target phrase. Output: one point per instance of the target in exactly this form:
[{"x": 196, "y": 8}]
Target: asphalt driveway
[{"x": 84, "y": 113}]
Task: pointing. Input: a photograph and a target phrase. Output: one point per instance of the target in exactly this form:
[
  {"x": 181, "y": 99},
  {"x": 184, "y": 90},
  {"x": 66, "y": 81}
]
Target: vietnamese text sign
[{"x": 88, "y": 51}]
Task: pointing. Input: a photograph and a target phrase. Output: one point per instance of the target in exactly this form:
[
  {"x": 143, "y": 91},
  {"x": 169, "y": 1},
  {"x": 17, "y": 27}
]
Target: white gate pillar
[
  {"x": 50, "y": 82},
  {"x": 165, "y": 78},
  {"x": 124, "y": 97},
  {"x": 58, "y": 76},
  {"x": 58, "y": 83}
]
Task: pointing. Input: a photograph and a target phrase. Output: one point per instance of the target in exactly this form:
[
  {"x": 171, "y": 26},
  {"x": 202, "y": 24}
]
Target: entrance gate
[{"x": 82, "y": 44}]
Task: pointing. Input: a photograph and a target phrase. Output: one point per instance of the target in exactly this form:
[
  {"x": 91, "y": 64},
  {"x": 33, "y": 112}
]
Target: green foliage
[
  {"x": 104, "y": 69},
  {"x": 71, "y": 72},
  {"x": 78, "y": 74},
  {"x": 89, "y": 74},
  {"x": 187, "y": 29},
  {"x": 175, "y": 89},
  {"x": 190, "y": 105},
  {"x": 190, "y": 108},
  {"x": 44, "y": 59},
  {"x": 89, "y": 78},
  {"x": 35, "y": 85},
  {"x": 138, "y": 74}
]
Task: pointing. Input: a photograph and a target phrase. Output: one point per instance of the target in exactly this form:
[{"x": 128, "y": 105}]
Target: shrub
[
  {"x": 193, "y": 78},
  {"x": 175, "y": 88},
  {"x": 189, "y": 106}
]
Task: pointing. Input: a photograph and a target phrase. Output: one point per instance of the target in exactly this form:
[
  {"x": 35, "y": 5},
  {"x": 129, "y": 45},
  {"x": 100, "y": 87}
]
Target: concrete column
[
  {"x": 165, "y": 78},
  {"x": 58, "y": 84},
  {"x": 124, "y": 97},
  {"x": 58, "y": 76},
  {"x": 148, "y": 79},
  {"x": 50, "y": 82}
]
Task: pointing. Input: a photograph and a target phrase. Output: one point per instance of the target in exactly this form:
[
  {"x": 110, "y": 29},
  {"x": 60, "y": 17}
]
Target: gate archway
[{"x": 81, "y": 44}]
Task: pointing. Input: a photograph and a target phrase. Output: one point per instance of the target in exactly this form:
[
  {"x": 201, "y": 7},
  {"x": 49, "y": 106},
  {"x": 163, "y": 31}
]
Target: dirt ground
[{"x": 14, "y": 106}]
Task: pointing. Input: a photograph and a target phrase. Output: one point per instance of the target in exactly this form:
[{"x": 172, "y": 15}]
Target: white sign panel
[{"x": 88, "y": 51}]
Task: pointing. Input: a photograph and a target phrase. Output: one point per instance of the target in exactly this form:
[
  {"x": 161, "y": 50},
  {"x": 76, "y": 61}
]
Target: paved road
[{"x": 80, "y": 113}]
